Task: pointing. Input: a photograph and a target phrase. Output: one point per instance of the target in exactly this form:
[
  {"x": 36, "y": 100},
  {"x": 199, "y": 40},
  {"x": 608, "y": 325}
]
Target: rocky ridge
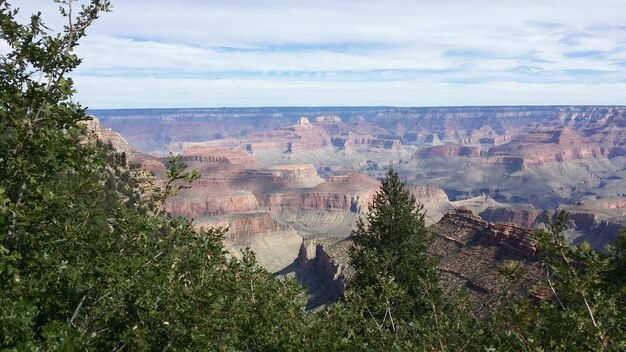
[{"x": 471, "y": 251}]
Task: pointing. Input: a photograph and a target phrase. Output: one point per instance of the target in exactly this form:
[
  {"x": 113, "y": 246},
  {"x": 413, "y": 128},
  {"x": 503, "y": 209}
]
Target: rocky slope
[{"x": 471, "y": 251}]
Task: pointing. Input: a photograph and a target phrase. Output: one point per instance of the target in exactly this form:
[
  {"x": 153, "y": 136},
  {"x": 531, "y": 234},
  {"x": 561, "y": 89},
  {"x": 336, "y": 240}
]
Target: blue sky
[{"x": 192, "y": 53}]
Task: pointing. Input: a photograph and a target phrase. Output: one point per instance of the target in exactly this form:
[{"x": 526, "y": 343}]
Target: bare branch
[
  {"x": 80, "y": 305},
  {"x": 553, "y": 290}
]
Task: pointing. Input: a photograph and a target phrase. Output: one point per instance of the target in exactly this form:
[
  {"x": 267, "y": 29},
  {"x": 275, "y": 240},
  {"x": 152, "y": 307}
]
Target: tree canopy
[{"x": 86, "y": 260}]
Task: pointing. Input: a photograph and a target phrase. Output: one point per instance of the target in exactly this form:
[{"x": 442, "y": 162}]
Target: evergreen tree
[
  {"x": 396, "y": 278},
  {"x": 583, "y": 305}
]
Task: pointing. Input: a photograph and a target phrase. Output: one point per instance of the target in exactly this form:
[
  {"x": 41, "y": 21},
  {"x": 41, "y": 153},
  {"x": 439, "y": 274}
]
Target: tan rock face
[
  {"x": 209, "y": 156},
  {"x": 301, "y": 175},
  {"x": 449, "y": 150},
  {"x": 511, "y": 236},
  {"x": 147, "y": 170},
  {"x": 427, "y": 193},
  {"x": 275, "y": 244},
  {"x": 547, "y": 145},
  {"x": 193, "y": 205},
  {"x": 242, "y": 228},
  {"x": 107, "y": 135},
  {"x": 522, "y": 216},
  {"x": 323, "y": 264},
  {"x": 350, "y": 193},
  {"x": 301, "y": 136}
]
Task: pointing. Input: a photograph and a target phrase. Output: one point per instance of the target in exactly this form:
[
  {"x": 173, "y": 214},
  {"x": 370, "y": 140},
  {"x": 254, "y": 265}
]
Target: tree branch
[{"x": 553, "y": 290}]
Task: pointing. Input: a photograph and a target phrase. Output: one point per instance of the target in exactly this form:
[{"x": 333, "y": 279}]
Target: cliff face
[
  {"x": 549, "y": 145},
  {"x": 522, "y": 216},
  {"x": 349, "y": 193},
  {"x": 318, "y": 201},
  {"x": 96, "y": 131},
  {"x": 322, "y": 265},
  {"x": 302, "y": 175},
  {"x": 242, "y": 229},
  {"x": 449, "y": 150},
  {"x": 207, "y": 157},
  {"x": 471, "y": 253},
  {"x": 461, "y": 224},
  {"x": 301, "y": 136},
  {"x": 192, "y": 204},
  {"x": 598, "y": 232},
  {"x": 427, "y": 193}
]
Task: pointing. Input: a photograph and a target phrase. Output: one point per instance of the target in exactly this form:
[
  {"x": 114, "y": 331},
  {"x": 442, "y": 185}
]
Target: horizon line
[{"x": 362, "y": 106}]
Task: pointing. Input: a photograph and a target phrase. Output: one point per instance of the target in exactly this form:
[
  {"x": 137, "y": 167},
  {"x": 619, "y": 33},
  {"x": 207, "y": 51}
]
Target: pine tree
[{"x": 395, "y": 275}]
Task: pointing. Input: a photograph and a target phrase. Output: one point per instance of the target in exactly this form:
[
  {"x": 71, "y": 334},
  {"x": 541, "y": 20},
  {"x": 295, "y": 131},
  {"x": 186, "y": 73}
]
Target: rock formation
[
  {"x": 494, "y": 160},
  {"x": 471, "y": 250},
  {"x": 322, "y": 263},
  {"x": 350, "y": 193},
  {"x": 449, "y": 150},
  {"x": 524, "y": 216}
]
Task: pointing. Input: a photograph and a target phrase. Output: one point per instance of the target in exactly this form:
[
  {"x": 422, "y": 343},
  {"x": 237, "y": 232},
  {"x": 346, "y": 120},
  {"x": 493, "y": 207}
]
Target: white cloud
[
  {"x": 155, "y": 92},
  {"x": 533, "y": 50}
]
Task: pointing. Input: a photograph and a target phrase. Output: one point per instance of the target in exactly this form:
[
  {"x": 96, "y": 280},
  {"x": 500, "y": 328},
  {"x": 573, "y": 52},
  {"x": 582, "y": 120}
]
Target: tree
[
  {"x": 396, "y": 278},
  {"x": 83, "y": 264},
  {"x": 584, "y": 297}
]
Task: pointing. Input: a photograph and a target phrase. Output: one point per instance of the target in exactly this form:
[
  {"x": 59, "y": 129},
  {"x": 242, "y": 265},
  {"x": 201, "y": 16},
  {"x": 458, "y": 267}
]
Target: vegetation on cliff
[{"x": 90, "y": 262}]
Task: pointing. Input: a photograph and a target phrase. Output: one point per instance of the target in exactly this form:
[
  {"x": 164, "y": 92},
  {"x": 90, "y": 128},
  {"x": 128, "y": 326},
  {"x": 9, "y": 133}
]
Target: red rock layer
[
  {"x": 190, "y": 205},
  {"x": 449, "y": 150},
  {"x": 350, "y": 193},
  {"x": 546, "y": 145}
]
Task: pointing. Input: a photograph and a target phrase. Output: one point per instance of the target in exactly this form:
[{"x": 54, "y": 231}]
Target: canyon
[{"x": 290, "y": 183}]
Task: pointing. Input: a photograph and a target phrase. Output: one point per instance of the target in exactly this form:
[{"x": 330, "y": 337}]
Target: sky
[{"x": 208, "y": 53}]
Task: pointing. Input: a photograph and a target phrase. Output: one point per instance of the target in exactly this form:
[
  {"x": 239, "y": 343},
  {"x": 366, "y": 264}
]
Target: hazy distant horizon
[{"x": 356, "y": 107}]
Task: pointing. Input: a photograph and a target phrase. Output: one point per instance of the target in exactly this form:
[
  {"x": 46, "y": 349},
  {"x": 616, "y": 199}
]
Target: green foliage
[
  {"x": 82, "y": 266},
  {"x": 390, "y": 249},
  {"x": 583, "y": 305},
  {"x": 394, "y": 300},
  {"x": 177, "y": 178}
]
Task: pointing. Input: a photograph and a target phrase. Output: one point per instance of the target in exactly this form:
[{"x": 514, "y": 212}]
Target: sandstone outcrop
[
  {"x": 472, "y": 251},
  {"x": 193, "y": 203},
  {"x": 449, "y": 150},
  {"x": 593, "y": 225},
  {"x": 302, "y": 175},
  {"x": 97, "y": 131},
  {"x": 146, "y": 169},
  {"x": 427, "y": 193},
  {"x": 350, "y": 193},
  {"x": 243, "y": 227},
  {"x": 275, "y": 244},
  {"x": 524, "y": 216}
]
